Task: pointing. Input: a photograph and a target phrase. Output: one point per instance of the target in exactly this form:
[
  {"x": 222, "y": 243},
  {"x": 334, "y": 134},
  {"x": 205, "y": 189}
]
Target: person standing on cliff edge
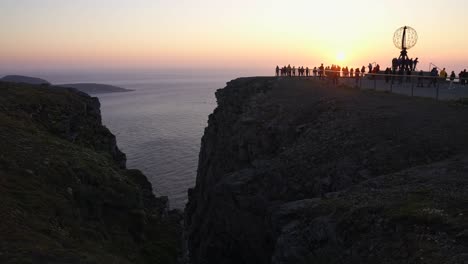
[
  {"x": 415, "y": 63},
  {"x": 320, "y": 72},
  {"x": 452, "y": 78},
  {"x": 357, "y": 75}
]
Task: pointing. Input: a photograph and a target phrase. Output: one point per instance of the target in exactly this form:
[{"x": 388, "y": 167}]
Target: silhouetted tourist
[
  {"x": 277, "y": 70},
  {"x": 420, "y": 79},
  {"x": 434, "y": 75},
  {"x": 460, "y": 75},
  {"x": 320, "y": 72},
  {"x": 370, "y": 67},
  {"x": 314, "y": 71},
  {"x": 403, "y": 64},
  {"x": 346, "y": 71},
  {"x": 356, "y": 74},
  {"x": 388, "y": 71},
  {"x": 377, "y": 68},
  {"x": 464, "y": 76},
  {"x": 307, "y": 71},
  {"x": 443, "y": 74},
  {"x": 332, "y": 74},
  {"x": 363, "y": 70},
  {"x": 415, "y": 63},
  {"x": 452, "y": 78},
  {"x": 408, "y": 75},
  {"x": 394, "y": 63}
]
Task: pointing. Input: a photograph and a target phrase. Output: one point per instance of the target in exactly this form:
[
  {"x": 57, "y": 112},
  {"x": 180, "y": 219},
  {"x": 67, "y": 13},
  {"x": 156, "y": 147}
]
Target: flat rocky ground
[{"x": 443, "y": 90}]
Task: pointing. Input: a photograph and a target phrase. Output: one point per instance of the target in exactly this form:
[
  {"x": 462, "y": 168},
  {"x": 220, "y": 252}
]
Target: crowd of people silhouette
[
  {"x": 335, "y": 71},
  {"x": 463, "y": 76},
  {"x": 322, "y": 71},
  {"x": 405, "y": 64}
]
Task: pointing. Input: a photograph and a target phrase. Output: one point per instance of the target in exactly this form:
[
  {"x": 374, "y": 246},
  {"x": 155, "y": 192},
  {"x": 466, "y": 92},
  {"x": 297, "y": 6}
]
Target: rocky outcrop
[
  {"x": 66, "y": 113},
  {"x": 89, "y": 88},
  {"x": 95, "y": 88},
  {"x": 66, "y": 195},
  {"x": 294, "y": 171}
]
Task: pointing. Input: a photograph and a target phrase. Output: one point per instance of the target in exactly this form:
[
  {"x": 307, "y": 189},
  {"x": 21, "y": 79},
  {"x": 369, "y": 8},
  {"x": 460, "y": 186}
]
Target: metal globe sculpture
[{"x": 405, "y": 38}]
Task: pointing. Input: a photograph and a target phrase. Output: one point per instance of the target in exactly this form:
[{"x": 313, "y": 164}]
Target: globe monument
[{"x": 404, "y": 39}]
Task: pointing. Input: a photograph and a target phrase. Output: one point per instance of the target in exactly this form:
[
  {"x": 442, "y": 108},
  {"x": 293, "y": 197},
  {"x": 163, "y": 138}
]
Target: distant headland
[
  {"x": 95, "y": 88},
  {"x": 90, "y": 88},
  {"x": 23, "y": 79}
]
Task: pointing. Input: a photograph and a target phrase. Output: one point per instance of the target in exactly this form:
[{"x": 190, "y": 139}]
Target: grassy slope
[{"x": 65, "y": 202}]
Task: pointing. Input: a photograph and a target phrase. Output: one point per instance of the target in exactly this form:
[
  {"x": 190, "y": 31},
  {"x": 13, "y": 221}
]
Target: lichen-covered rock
[{"x": 294, "y": 171}]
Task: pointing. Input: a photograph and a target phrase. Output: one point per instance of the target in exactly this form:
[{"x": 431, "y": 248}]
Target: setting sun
[{"x": 340, "y": 56}]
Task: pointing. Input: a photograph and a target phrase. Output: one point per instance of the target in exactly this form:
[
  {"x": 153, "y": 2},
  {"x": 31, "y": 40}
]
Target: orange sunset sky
[{"x": 209, "y": 34}]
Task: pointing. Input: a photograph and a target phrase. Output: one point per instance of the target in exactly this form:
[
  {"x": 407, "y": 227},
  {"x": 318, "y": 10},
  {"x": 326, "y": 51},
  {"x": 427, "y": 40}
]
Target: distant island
[
  {"x": 90, "y": 88},
  {"x": 95, "y": 88},
  {"x": 24, "y": 79}
]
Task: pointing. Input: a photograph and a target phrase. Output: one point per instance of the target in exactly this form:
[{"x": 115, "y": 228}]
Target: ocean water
[{"x": 159, "y": 125}]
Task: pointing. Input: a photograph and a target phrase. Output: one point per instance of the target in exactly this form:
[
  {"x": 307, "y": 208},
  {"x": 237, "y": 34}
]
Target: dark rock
[
  {"x": 291, "y": 171},
  {"x": 67, "y": 113}
]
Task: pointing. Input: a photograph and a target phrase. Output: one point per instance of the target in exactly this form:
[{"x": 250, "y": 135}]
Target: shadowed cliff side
[
  {"x": 293, "y": 171},
  {"x": 66, "y": 195}
]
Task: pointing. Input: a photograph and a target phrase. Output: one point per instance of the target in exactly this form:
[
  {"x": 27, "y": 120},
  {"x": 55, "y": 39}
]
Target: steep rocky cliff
[
  {"x": 65, "y": 194},
  {"x": 295, "y": 171}
]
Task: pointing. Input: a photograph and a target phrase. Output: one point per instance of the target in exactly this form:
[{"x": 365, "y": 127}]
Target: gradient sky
[{"x": 214, "y": 34}]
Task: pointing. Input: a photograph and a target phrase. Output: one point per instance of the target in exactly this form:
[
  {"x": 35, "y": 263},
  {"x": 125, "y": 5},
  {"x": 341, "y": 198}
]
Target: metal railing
[{"x": 412, "y": 85}]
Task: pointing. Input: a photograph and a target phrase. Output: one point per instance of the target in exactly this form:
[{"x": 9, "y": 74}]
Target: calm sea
[{"x": 160, "y": 124}]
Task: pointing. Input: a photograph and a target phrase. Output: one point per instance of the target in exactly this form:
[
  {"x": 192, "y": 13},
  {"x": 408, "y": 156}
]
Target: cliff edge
[
  {"x": 295, "y": 171},
  {"x": 65, "y": 194}
]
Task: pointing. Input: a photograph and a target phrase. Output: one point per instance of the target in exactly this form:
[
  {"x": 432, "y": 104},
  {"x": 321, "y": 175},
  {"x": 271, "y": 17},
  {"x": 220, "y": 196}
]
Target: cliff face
[
  {"x": 293, "y": 171},
  {"x": 66, "y": 195},
  {"x": 71, "y": 115}
]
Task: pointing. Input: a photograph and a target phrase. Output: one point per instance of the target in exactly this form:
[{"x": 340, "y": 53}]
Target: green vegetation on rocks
[{"x": 66, "y": 195}]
